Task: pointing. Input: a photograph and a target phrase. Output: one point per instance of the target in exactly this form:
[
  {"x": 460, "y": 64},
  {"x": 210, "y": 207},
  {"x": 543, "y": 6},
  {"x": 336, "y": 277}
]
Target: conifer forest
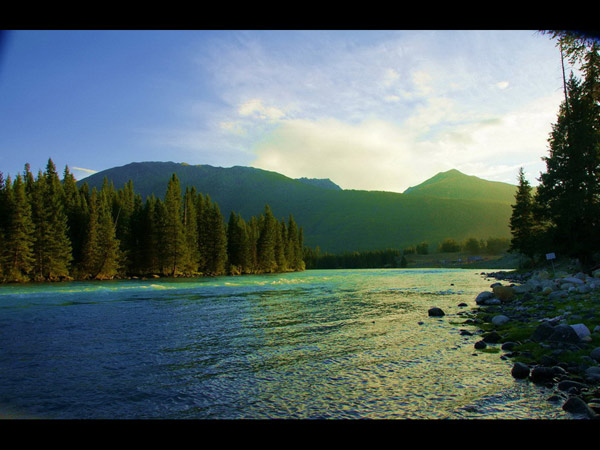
[
  {"x": 53, "y": 229},
  {"x": 562, "y": 214}
]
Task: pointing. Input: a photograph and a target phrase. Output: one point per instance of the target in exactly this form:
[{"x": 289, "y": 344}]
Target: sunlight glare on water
[{"x": 337, "y": 344}]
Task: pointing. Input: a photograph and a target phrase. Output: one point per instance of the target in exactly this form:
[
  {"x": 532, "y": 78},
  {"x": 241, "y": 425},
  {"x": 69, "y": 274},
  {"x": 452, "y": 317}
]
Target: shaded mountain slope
[{"x": 334, "y": 219}]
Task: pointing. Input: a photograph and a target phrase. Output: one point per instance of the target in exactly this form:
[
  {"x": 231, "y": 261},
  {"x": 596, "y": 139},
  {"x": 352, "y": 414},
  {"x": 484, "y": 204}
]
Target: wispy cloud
[
  {"x": 377, "y": 110},
  {"x": 80, "y": 172}
]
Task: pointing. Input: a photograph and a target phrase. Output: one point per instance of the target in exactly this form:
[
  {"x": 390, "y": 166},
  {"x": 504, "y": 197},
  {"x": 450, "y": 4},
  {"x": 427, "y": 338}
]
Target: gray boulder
[
  {"x": 500, "y": 320},
  {"x": 564, "y": 333},
  {"x": 483, "y": 296},
  {"x": 592, "y": 374},
  {"x": 556, "y": 295},
  {"x": 573, "y": 280},
  {"x": 595, "y": 354},
  {"x": 582, "y": 331}
]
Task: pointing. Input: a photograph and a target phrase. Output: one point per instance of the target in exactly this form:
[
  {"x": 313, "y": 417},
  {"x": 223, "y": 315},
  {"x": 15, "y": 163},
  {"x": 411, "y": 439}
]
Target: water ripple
[{"x": 316, "y": 344}]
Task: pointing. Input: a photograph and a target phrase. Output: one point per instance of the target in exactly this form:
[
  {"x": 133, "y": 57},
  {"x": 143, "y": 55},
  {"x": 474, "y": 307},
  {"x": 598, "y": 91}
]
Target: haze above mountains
[{"x": 448, "y": 205}]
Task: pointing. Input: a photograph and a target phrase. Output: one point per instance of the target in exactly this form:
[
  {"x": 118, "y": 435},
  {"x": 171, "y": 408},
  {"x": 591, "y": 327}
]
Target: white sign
[{"x": 550, "y": 256}]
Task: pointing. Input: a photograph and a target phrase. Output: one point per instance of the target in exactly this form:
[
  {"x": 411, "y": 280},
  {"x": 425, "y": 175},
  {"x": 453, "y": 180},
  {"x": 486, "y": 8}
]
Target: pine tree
[
  {"x": 234, "y": 244},
  {"x": 19, "y": 242},
  {"x": 266, "y": 242},
  {"x": 253, "y": 232},
  {"x": 159, "y": 220},
  {"x": 52, "y": 248},
  {"x": 108, "y": 254},
  {"x": 150, "y": 248},
  {"x": 191, "y": 257},
  {"x": 522, "y": 223},
  {"x": 3, "y": 222},
  {"x": 295, "y": 249},
  {"x": 569, "y": 191},
  {"x": 122, "y": 209},
  {"x": 75, "y": 207},
  {"x": 216, "y": 245},
  {"x": 173, "y": 238},
  {"x": 280, "y": 244},
  {"x": 568, "y": 196},
  {"x": 137, "y": 238},
  {"x": 202, "y": 217}
]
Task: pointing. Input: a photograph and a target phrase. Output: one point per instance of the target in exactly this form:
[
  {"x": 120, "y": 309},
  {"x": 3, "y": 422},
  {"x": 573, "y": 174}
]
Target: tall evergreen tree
[
  {"x": 569, "y": 191},
  {"x": 216, "y": 245},
  {"x": 136, "y": 264},
  {"x": 17, "y": 250},
  {"x": 191, "y": 258},
  {"x": 173, "y": 238},
  {"x": 235, "y": 244},
  {"x": 266, "y": 242},
  {"x": 52, "y": 248},
  {"x": 151, "y": 254},
  {"x": 160, "y": 225},
  {"x": 522, "y": 222},
  {"x": 202, "y": 218},
  {"x": 280, "y": 244},
  {"x": 75, "y": 207}
]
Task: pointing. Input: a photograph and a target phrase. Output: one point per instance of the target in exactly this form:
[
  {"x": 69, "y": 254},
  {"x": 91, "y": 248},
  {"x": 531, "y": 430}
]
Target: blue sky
[{"x": 370, "y": 109}]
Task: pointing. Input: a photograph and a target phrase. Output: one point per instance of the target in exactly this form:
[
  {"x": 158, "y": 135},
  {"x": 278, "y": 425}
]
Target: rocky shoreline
[{"x": 548, "y": 325}]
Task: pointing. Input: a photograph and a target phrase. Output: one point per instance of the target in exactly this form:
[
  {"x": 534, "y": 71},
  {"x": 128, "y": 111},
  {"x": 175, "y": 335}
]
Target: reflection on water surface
[{"x": 315, "y": 344}]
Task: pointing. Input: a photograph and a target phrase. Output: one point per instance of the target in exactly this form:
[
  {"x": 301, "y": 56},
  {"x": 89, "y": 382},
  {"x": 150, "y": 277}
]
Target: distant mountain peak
[
  {"x": 457, "y": 185},
  {"x": 325, "y": 183}
]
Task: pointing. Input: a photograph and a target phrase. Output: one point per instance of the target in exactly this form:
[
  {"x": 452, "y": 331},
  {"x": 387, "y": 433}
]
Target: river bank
[{"x": 548, "y": 324}]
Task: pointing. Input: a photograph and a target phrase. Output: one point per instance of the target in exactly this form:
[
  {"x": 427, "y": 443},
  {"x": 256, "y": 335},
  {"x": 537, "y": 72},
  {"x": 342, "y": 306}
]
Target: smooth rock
[
  {"x": 520, "y": 370},
  {"x": 436, "y": 312},
  {"x": 483, "y": 296},
  {"x": 592, "y": 374},
  {"x": 541, "y": 374},
  {"x": 572, "y": 280},
  {"x": 547, "y": 290},
  {"x": 556, "y": 295},
  {"x": 566, "y": 385},
  {"x": 584, "y": 289},
  {"x": 577, "y": 406},
  {"x": 564, "y": 333},
  {"x": 509, "y": 346},
  {"x": 523, "y": 288},
  {"x": 492, "y": 337},
  {"x": 582, "y": 331},
  {"x": 492, "y": 301},
  {"x": 480, "y": 345},
  {"x": 500, "y": 320},
  {"x": 595, "y": 354}
]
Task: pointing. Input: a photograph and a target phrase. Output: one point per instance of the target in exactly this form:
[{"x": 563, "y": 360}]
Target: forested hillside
[
  {"x": 52, "y": 229},
  {"x": 334, "y": 219}
]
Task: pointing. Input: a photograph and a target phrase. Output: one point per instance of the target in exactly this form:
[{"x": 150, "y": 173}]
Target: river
[{"x": 319, "y": 344}]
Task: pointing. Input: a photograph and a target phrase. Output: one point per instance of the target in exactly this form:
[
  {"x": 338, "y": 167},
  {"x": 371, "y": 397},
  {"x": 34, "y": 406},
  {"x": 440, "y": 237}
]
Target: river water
[{"x": 319, "y": 344}]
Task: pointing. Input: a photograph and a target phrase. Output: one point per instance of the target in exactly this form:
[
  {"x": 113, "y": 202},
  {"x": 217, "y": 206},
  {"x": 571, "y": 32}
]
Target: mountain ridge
[
  {"x": 332, "y": 218},
  {"x": 455, "y": 184}
]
